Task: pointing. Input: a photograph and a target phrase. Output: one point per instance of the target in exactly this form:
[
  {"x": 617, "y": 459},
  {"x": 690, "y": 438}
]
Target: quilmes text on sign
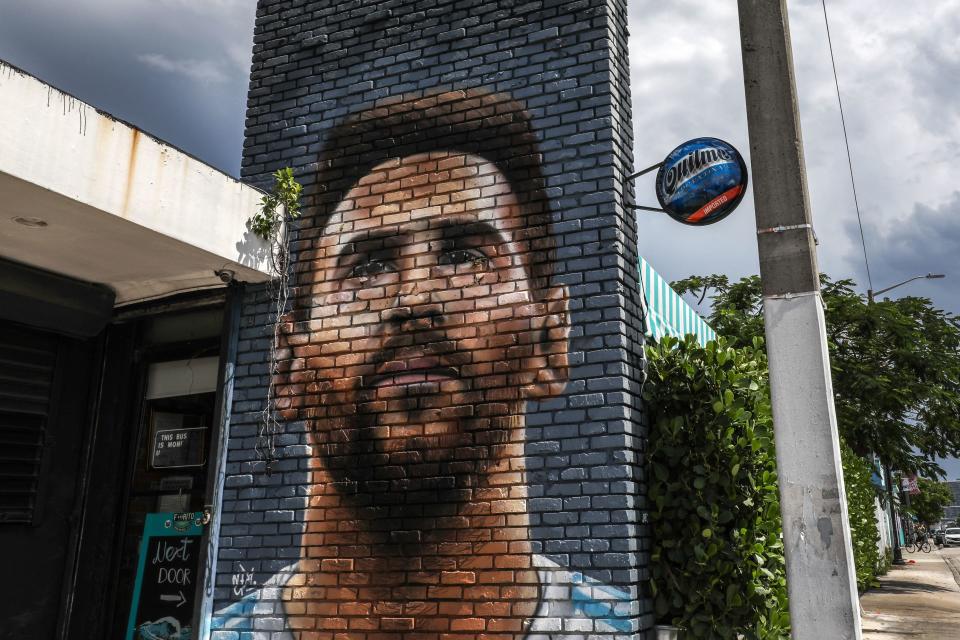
[{"x": 702, "y": 181}]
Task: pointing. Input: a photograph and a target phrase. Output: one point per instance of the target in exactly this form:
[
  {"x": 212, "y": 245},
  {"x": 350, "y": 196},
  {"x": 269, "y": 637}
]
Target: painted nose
[
  {"x": 411, "y": 294},
  {"x": 411, "y": 309}
]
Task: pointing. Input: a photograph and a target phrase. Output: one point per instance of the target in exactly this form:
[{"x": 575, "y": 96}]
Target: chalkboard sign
[
  {"x": 176, "y": 443},
  {"x": 163, "y": 595}
]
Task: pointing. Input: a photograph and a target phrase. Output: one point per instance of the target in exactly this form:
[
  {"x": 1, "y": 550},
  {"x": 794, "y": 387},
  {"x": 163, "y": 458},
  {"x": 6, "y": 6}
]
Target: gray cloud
[
  {"x": 176, "y": 69},
  {"x": 927, "y": 240},
  {"x": 198, "y": 70},
  {"x": 896, "y": 67},
  {"x": 687, "y": 82},
  {"x": 934, "y": 62}
]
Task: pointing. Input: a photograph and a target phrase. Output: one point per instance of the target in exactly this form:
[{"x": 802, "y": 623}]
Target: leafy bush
[
  {"x": 284, "y": 199},
  {"x": 886, "y": 562},
  {"x": 717, "y": 562},
  {"x": 861, "y": 509}
]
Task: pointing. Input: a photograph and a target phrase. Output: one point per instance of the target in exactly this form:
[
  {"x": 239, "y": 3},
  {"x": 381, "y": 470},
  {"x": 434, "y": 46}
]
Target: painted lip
[{"x": 419, "y": 370}]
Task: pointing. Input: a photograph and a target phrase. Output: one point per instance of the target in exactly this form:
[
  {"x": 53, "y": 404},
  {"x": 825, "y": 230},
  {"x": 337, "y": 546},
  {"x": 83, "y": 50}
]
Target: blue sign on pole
[
  {"x": 163, "y": 595},
  {"x": 702, "y": 181}
]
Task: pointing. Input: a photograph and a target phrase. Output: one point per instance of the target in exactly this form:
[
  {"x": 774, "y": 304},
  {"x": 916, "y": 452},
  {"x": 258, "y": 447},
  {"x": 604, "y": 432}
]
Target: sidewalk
[{"x": 918, "y": 601}]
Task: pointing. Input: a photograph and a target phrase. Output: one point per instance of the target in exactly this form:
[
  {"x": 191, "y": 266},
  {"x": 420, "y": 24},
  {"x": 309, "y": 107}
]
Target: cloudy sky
[
  {"x": 178, "y": 69},
  {"x": 902, "y": 116}
]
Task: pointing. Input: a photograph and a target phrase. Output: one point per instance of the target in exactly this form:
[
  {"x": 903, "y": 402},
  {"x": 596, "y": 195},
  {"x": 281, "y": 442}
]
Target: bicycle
[{"x": 920, "y": 544}]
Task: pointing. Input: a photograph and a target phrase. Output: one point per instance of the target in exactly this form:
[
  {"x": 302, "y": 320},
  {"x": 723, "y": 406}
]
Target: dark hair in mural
[{"x": 492, "y": 126}]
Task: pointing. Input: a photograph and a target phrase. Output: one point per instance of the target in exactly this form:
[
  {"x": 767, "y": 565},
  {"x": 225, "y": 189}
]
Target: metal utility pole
[
  {"x": 894, "y": 518},
  {"x": 820, "y": 573},
  {"x": 897, "y": 552}
]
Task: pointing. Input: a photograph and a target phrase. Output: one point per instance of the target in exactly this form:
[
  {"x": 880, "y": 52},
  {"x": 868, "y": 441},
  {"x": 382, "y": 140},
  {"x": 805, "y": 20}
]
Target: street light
[
  {"x": 897, "y": 553},
  {"x": 871, "y": 294}
]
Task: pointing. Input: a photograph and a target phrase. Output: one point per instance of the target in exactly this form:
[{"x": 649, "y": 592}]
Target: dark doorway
[{"x": 44, "y": 408}]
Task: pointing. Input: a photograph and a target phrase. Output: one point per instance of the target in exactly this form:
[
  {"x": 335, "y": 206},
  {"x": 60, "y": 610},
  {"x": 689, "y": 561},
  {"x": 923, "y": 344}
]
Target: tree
[
  {"x": 895, "y": 365},
  {"x": 929, "y": 503}
]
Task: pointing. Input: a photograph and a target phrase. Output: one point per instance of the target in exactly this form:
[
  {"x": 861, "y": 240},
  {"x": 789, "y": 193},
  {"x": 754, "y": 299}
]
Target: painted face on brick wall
[
  {"x": 426, "y": 317},
  {"x": 427, "y": 332}
]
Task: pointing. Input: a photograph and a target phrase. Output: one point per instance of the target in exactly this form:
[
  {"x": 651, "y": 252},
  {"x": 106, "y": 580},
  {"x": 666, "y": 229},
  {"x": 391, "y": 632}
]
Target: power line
[{"x": 846, "y": 142}]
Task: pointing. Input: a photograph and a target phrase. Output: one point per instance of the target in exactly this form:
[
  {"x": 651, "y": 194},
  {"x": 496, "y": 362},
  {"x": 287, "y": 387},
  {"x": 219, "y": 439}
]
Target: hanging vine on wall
[{"x": 277, "y": 210}]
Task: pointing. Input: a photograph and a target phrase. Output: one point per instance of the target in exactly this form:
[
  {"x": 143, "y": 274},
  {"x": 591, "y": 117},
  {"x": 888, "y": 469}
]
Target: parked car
[
  {"x": 938, "y": 537},
  {"x": 952, "y": 536}
]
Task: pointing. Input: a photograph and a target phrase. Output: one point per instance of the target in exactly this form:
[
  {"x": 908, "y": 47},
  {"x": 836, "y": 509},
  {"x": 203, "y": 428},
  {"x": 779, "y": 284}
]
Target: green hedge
[
  {"x": 861, "y": 511},
  {"x": 717, "y": 562}
]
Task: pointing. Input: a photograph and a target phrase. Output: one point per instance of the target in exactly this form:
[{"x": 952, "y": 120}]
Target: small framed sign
[{"x": 177, "y": 443}]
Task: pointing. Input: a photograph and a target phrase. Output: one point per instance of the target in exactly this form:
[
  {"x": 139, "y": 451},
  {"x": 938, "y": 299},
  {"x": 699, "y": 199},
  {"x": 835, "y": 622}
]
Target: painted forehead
[{"x": 408, "y": 193}]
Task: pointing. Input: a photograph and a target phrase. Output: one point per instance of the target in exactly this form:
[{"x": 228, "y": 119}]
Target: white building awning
[
  {"x": 87, "y": 196},
  {"x": 666, "y": 312}
]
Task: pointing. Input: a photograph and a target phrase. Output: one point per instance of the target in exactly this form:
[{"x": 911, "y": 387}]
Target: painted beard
[{"x": 420, "y": 434}]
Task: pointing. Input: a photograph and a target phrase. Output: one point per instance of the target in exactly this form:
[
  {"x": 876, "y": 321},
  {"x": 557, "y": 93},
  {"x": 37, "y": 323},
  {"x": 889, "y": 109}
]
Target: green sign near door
[{"x": 163, "y": 595}]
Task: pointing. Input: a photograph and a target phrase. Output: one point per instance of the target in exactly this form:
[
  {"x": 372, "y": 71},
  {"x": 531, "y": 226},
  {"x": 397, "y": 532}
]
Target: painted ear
[
  {"x": 286, "y": 336},
  {"x": 552, "y": 350},
  {"x": 286, "y": 366}
]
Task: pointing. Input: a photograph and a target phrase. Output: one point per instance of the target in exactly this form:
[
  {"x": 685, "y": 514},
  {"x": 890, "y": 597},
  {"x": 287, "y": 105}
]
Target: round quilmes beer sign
[{"x": 702, "y": 181}]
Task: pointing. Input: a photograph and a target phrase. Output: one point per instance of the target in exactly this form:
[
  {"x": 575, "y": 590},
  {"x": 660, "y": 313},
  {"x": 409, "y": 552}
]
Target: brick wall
[{"x": 461, "y": 444}]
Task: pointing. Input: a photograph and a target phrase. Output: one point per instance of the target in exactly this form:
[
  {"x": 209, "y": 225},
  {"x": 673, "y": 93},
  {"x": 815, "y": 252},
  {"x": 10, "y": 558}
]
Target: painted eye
[
  {"x": 462, "y": 256},
  {"x": 370, "y": 269}
]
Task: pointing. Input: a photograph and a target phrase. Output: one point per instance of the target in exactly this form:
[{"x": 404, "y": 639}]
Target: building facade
[
  {"x": 431, "y": 427},
  {"x": 116, "y": 319},
  {"x": 952, "y": 511}
]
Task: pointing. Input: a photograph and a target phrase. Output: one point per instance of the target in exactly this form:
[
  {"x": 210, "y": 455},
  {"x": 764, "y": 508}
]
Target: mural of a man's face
[
  {"x": 425, "y": 318},
  {"x": 426, "y": 314},
  {"x": 427, "y": 332}
]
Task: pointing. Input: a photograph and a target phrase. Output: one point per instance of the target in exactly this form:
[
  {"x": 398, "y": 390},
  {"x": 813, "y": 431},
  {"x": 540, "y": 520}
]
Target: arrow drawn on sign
[{"x": 174, "y": 598}]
